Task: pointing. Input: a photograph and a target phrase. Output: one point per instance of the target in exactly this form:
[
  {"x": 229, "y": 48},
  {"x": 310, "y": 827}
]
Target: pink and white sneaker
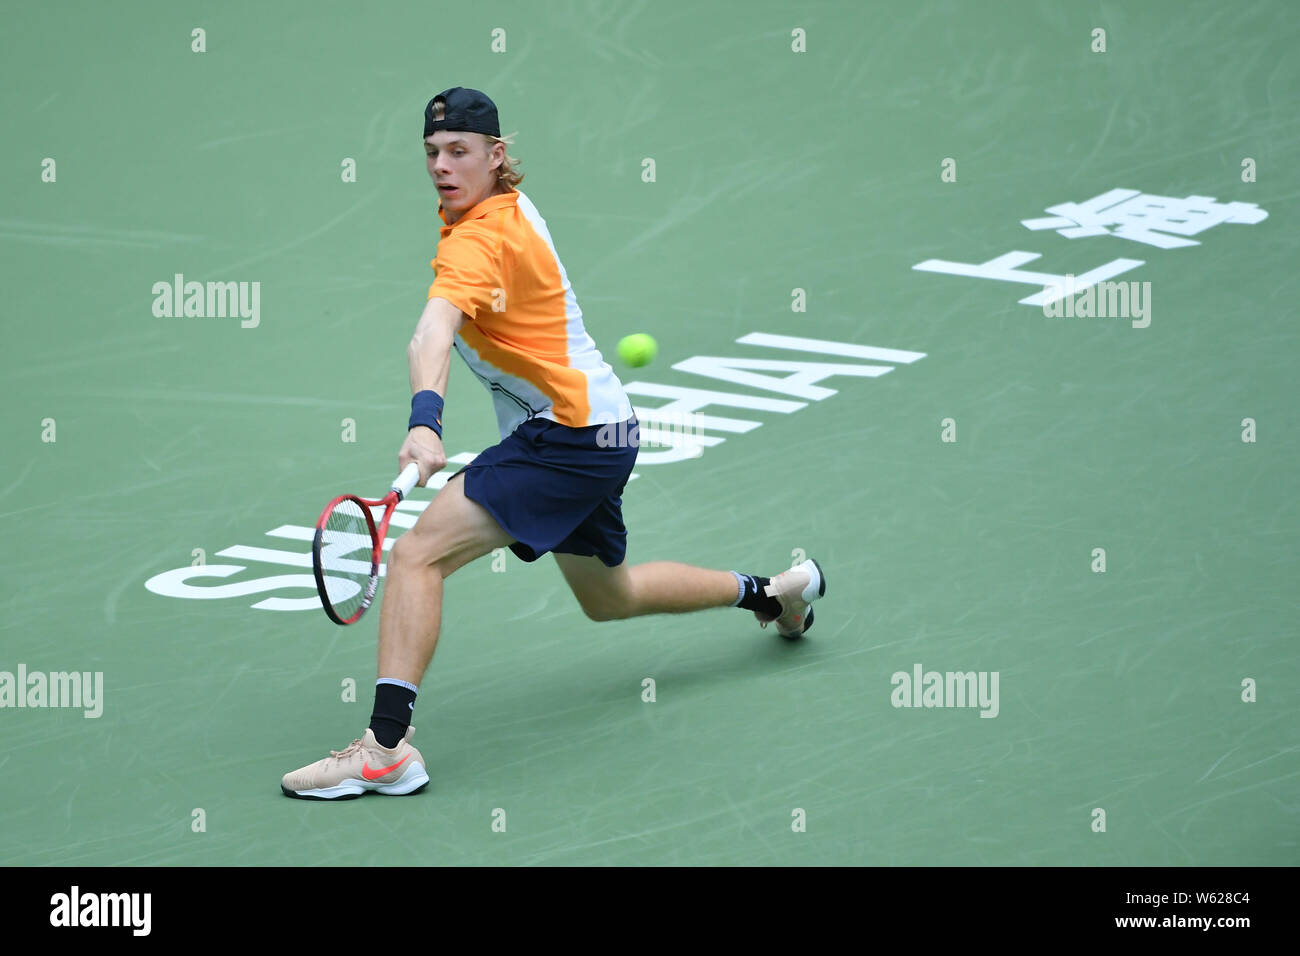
[
  {"x": 795, "y": 589},
  {"x": 363, "y": 766}
]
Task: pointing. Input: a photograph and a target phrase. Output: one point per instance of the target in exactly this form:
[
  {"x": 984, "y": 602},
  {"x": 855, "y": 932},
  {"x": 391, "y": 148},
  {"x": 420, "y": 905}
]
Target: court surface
[{"x": 962, "y": 500}]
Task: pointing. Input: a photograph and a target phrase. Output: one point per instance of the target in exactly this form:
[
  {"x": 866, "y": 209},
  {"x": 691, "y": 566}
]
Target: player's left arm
[{"x": 429, "y": 356}]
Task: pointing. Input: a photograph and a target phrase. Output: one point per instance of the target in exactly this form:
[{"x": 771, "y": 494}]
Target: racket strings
[{"x": 345, "y": 557}]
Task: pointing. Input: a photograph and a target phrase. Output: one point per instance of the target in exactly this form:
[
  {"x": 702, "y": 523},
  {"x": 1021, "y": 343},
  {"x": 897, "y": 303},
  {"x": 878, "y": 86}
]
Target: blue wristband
[{"x": 426, "y": 410}]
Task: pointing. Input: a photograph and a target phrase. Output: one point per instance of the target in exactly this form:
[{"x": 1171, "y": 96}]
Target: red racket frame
[{"x": 401, "y": 488}]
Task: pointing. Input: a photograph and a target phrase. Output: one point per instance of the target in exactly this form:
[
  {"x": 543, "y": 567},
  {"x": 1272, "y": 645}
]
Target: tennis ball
[{"x": 637, "y": 349}]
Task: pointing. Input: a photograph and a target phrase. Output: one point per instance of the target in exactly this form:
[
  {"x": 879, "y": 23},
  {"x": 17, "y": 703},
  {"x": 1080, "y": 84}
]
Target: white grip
[{"x": 408, "y": 479}]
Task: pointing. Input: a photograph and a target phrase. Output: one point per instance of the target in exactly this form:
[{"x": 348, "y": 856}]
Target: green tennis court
[{"x": 1069, "y": 541}]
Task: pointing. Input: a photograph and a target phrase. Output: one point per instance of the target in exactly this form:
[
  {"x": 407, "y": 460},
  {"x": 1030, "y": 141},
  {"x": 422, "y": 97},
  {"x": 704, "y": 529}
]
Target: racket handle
[{"x": 408, "y": 479}]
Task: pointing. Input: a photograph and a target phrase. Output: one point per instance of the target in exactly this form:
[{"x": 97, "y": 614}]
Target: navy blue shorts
[{"x": 555, "y": 488}]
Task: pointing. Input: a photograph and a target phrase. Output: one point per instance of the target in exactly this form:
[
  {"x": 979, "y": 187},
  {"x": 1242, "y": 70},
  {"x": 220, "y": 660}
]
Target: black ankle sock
[
  {"x": 753, "y": 599},
  {"x": 394, "y": 704}
]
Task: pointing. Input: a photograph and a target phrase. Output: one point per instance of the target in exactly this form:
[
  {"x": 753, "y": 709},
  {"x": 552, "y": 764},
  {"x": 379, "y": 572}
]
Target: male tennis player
[{"x": 502, "y": 299}]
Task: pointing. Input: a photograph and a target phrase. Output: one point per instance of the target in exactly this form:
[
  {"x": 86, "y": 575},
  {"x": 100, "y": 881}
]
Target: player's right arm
[{"x": 429, "y": 356}]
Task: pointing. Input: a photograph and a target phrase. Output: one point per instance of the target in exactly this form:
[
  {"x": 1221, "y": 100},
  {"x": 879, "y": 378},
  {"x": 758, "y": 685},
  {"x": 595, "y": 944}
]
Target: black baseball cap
[{"x": 464, "y": 110}]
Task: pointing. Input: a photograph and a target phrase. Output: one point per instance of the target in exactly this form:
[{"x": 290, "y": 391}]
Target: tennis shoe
[
  {"x": 363, "y": 766},
  {"x": 795, "y": 590}
]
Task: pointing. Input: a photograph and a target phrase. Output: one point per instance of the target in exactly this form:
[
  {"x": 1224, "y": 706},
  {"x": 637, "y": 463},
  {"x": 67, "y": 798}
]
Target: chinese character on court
[{"x": 1143, "y": 217}]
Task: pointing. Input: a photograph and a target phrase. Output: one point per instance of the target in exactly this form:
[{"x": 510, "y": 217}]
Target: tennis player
[{"x": 501, "y": 298}]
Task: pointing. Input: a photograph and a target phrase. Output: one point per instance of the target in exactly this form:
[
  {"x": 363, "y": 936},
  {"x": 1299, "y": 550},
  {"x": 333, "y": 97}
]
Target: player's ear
[{"x": 499, "y": 160}]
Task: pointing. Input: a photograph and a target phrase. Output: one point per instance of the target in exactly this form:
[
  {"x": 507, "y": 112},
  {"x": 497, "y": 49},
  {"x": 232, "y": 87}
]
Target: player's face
[{"x": 461, "y": 166}]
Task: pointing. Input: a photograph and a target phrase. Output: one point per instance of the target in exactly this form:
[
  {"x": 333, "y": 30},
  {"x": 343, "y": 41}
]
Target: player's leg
[
  {"x": 452, "y": 531},
  {"x": 592, "y": 559},
  {"x": 658, "y": 587},
  {"x": 668, "y": 587}
]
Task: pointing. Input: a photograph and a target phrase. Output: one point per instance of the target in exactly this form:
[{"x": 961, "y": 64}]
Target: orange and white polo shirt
[{"x": 525, "y": 339}]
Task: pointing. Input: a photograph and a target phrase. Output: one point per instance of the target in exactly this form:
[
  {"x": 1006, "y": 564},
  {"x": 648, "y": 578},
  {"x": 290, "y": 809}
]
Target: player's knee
[
  {"x": 415, "y": 549},
  {"x": 604, "y": 594},
  {"x": 600, "y": 612},
  {"x": 405, "y": 553},
  {"x": 608, "y": 607}
]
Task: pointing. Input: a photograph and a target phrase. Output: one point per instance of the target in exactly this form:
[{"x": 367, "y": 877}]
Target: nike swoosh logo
[{"x": 376, "y": 774}]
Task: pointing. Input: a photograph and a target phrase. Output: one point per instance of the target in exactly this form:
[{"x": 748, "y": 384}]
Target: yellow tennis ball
[{"x": 637, "y": 349}]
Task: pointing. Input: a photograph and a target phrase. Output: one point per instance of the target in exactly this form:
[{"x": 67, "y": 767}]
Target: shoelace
[{"x": 347, "y": 751}]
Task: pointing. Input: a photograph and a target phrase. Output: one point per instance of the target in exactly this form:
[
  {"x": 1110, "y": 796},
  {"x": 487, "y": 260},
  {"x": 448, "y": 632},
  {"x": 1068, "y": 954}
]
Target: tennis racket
[{"x": 348, "y": 546}]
